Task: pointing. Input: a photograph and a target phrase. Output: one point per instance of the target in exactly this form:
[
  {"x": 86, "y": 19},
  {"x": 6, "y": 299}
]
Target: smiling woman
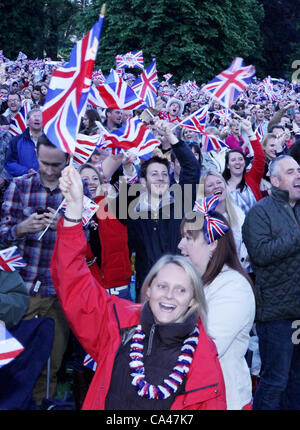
[
  {"x": 213, "y": 184},
  {"x": 229, "y": 296},
  {"x": 151, "y": 356},
  {"x": 244, "y": 183}
]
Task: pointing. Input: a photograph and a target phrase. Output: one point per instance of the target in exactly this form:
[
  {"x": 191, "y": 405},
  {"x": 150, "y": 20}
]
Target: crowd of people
[{"x": 189, "y": 267}]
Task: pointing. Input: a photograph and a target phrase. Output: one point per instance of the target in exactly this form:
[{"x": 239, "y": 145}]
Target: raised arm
[
  {"x": 88, "y": 306},
  {"x": 258, "y": 164}
]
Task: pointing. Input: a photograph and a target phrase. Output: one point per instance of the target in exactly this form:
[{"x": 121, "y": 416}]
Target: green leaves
[{"x": 191, "y": 39}]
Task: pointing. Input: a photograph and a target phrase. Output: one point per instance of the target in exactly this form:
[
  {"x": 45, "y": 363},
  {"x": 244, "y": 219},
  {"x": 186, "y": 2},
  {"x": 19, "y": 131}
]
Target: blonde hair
[
  {"x": 213, "y": 130},
  {"x": 199, "y": 306},
  {"x": 232, "y": 216},
  {"x": 266, "y": 139},
  {"x": 233, "y": 122}
]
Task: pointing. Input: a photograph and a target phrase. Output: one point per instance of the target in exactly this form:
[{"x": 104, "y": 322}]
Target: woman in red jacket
[{"x": 155, "y": 356}]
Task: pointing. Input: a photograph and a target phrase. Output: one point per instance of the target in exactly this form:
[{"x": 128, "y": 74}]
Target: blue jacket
[{"x": 21, "y": 156}]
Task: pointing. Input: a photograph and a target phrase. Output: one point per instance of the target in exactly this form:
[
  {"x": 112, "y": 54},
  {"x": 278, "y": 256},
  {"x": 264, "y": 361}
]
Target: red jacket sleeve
[
  {"x": 254, "y": 176},
  {"x": 87, "y": 306}
]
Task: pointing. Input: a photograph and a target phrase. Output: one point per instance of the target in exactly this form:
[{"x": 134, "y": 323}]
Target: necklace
[{"x": 171, "y": 384}]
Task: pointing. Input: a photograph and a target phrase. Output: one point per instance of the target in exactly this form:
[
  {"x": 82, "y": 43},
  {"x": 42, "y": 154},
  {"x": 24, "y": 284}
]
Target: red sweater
[{"x": 96, "y": 319}]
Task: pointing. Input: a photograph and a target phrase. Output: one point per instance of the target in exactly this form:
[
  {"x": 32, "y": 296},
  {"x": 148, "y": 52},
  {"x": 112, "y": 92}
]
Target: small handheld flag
[
  {"x": 10, "y": 347},
  {"x": 133, "y": 134},
  {"x": 10, "y": 259},
  {"x": 145, "y": 86}
]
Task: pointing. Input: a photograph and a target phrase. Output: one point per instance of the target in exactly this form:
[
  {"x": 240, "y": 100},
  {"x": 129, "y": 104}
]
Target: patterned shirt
[
  {"x": 245, "y": 199},
  {"x": 22, "y": 198}
]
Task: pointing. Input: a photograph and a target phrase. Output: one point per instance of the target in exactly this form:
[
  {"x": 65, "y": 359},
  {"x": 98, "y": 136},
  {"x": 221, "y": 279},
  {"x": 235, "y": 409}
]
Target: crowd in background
[{"x": 262, "y": 125}]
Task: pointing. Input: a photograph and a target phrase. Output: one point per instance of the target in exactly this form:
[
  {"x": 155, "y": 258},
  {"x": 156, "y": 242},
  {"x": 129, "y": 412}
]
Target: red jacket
[
  {"x": 115, "y": 268},
  {"x": 96, "y": 318},
  {"x": 254, "y": 176}
]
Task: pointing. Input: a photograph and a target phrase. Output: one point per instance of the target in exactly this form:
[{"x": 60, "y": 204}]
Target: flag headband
[{"x": 213, "y": 227}]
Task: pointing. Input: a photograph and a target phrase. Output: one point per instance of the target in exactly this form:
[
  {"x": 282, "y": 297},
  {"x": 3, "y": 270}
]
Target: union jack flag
[
  {"x": 37, "y": 63},
  {"x": 114, "y": 93},
  {"x": 10, "y": 259},
  {"x": 69, "y": 87},
  {"x": 210, "y": 142},
  {"x": 18, "y": 124},
  {"x": 167, "y": 76},
  {"x": 131, "y": 60},
  {"x": 145, "y": 86},
  {"x": 133, "y": 134},
  {"x": 97, "y": 74},
  {"x": 269, "y": 89},
  {"x": 89, "y": 209},
  {"x": 224, "y": 115},
  {"x": 21, "y": 56},
  {"x": 85, "y": 147},
  {"x": 196, "y": 122},
  {"x": 267, "y": 84},
  {"x": 89, "y": 362},
  {"x": 213, "y": 227},
  {"x": 227, "y": 86},
  {"x": 190, "y": 90},
  {"x": 10, "y": 347},
  {"x": 259, "y": 132}
]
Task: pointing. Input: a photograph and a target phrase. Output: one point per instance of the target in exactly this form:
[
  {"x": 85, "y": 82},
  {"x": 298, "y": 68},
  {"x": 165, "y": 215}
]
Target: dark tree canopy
[
  {"x": 191, "y": 39},
  {"x": 280, "y": 30}
]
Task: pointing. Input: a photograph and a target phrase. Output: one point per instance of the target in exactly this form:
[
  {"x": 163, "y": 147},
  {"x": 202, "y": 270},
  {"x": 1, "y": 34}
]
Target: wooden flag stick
[
  {"x": 103, "y": 9},
  {"x": 150, "y": 113}
]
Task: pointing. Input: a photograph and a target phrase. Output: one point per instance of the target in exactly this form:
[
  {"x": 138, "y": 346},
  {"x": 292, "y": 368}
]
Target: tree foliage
[
  {"x": 35, "y": 27},
  {"x": 191, "y": 39}
]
